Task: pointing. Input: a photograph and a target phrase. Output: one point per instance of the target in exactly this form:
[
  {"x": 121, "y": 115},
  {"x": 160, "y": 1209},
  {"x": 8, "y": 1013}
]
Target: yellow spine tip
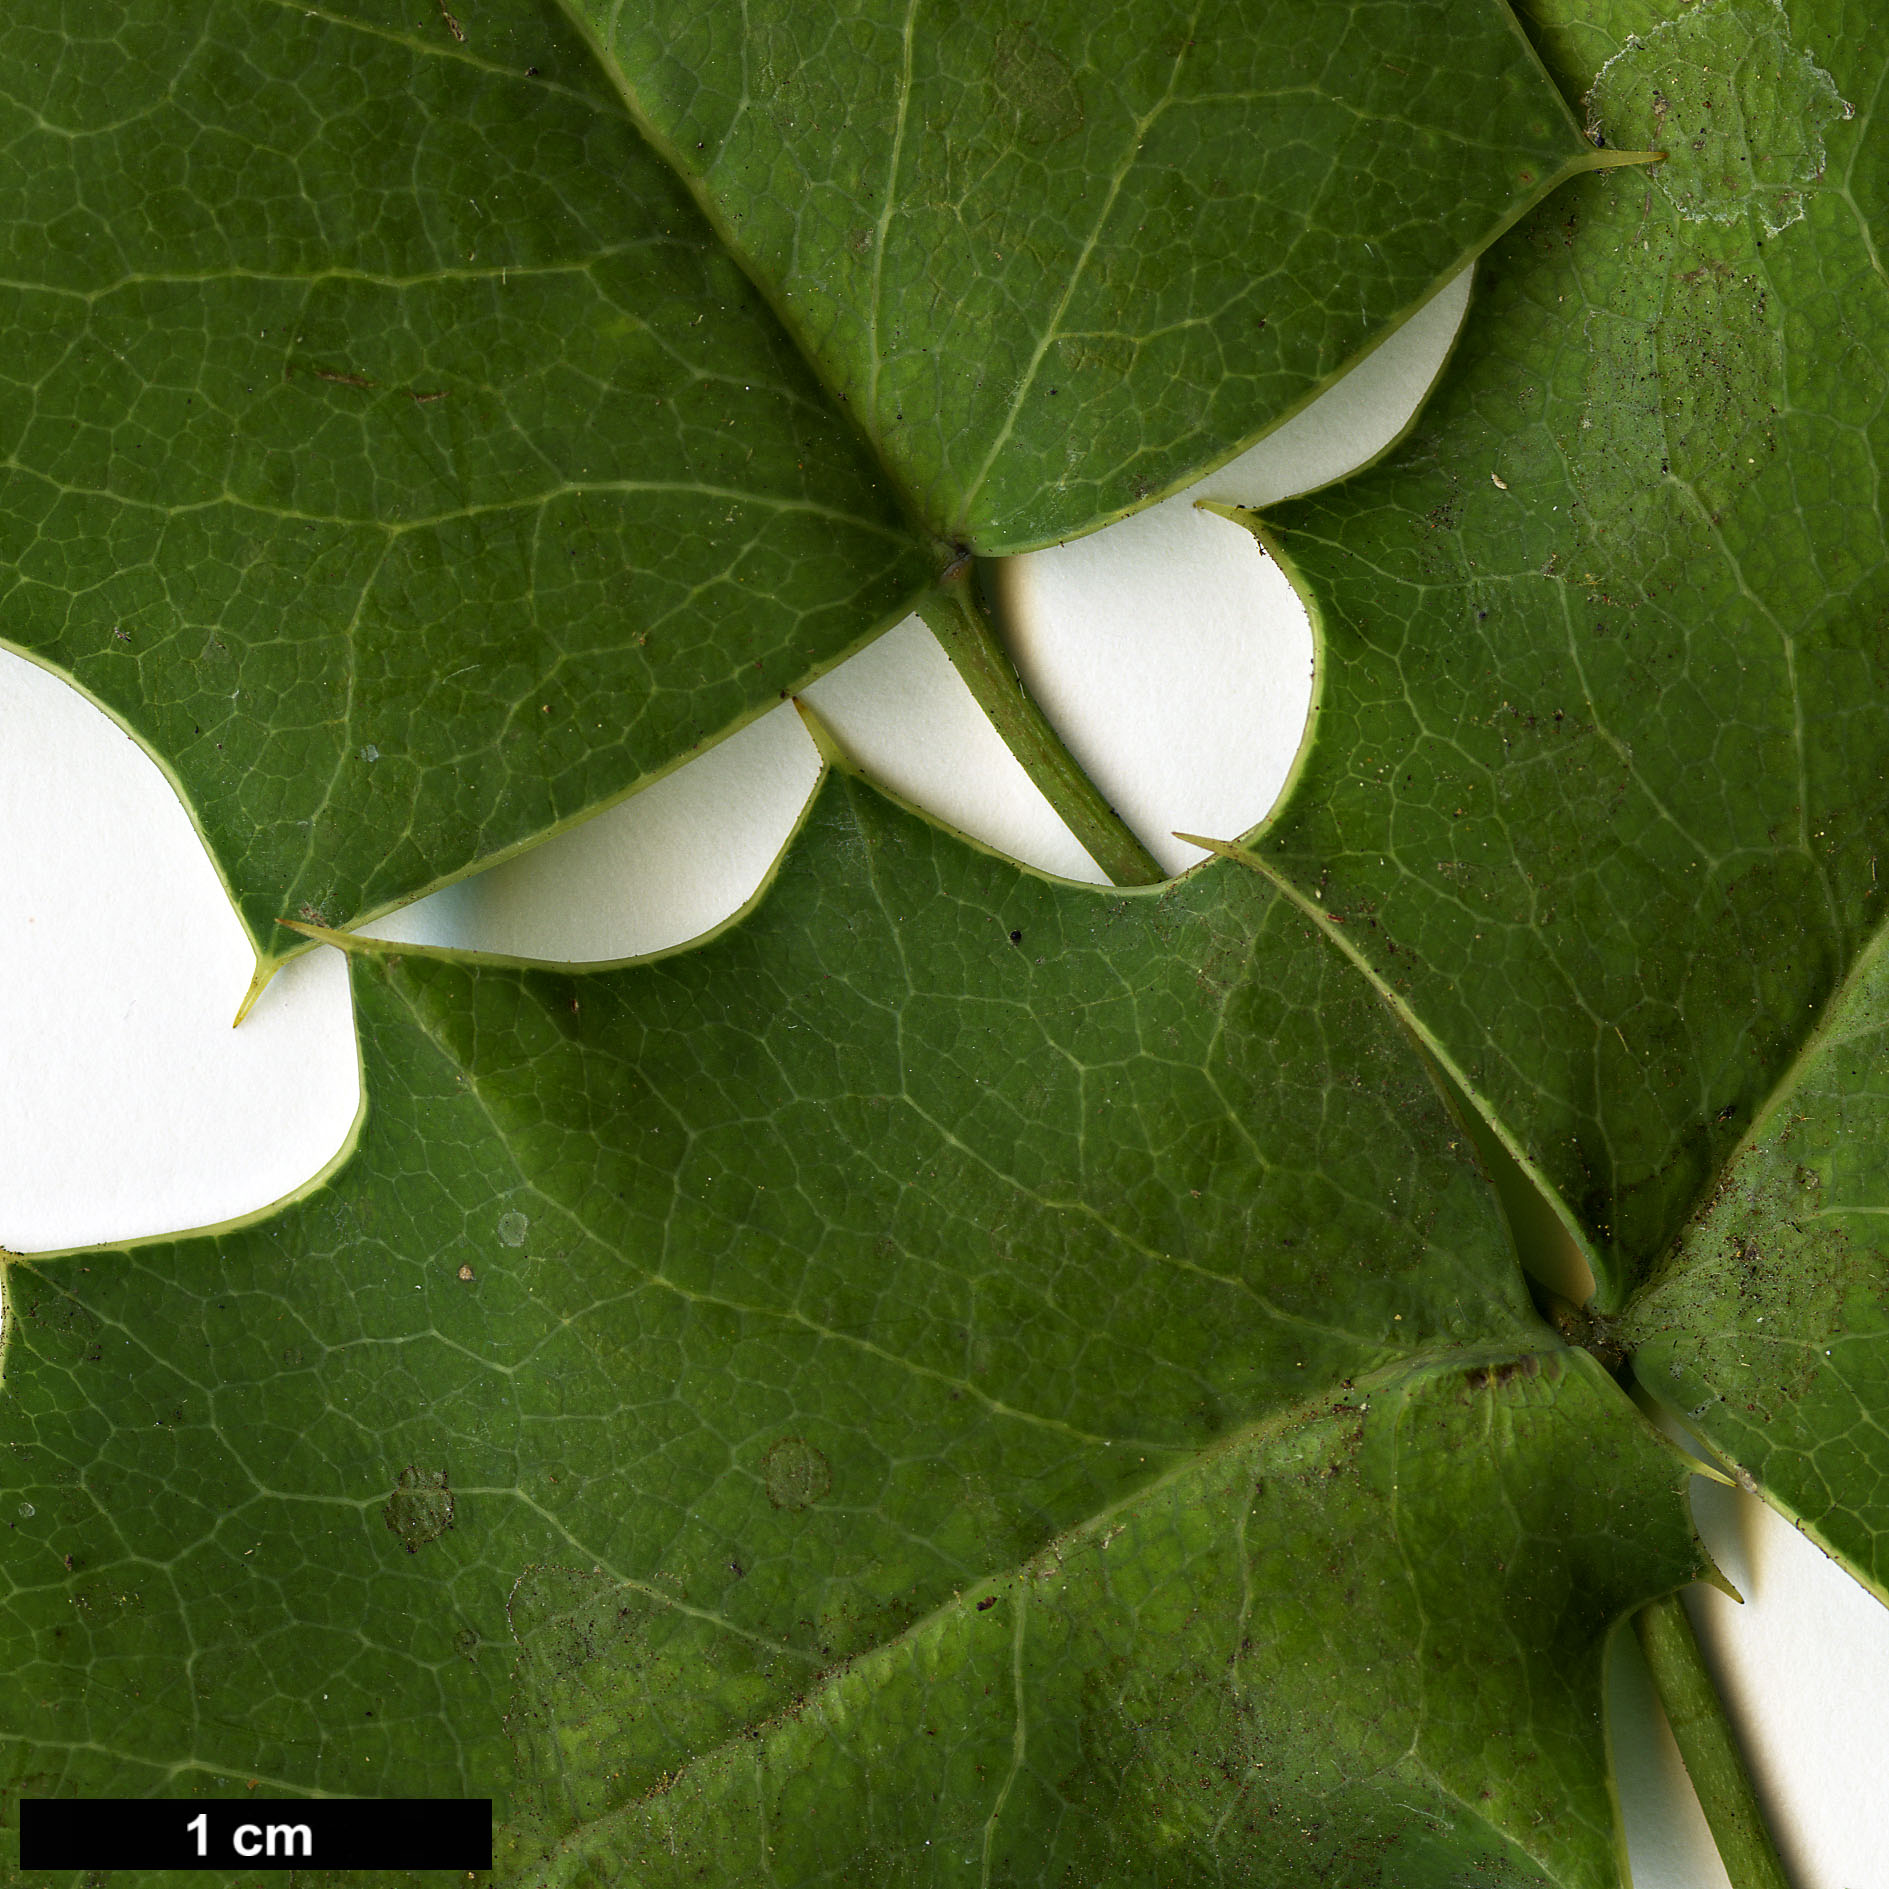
[
  {"x": 1606, "y": 160},
  {"x": 832, "y": 754},
  {"x": 1225, "y": 848},
  {"x": 265, "y": 970}
]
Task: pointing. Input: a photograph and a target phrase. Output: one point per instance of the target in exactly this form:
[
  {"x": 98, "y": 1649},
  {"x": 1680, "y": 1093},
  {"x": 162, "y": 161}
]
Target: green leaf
[
  {"x": 390, "y": 445},
  {"x": 643, "y": 1411},
  {"x": 389, "y": 441},
  {"x": 958, "y": 1373},
  {"x": 1597, "y": 779},
  {"x": 1767, "y": 1330},
  {"x": 1155, "y": 1691},
  {"x": 1057, "y": 265}
]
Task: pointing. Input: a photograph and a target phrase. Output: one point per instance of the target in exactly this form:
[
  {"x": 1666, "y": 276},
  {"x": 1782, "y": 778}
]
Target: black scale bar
[{"x": 256, "y": 1833}]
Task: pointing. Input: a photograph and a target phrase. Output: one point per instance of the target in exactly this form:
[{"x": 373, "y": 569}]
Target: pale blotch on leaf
[
  {"x": 421, "y": 1507},
  {"x": 1740, "y": 134},
  {"x": 512, "y": 1228},
  {"x": 1037, "y": 85},
  {"x": 609, "y": 1686},
  {"x": 797, "y": 1474}
]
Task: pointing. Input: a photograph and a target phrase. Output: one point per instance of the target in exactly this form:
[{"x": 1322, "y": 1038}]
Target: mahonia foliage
[
  {"x": 423, "y": 431},
  {"x": 960, "y": 1376}
]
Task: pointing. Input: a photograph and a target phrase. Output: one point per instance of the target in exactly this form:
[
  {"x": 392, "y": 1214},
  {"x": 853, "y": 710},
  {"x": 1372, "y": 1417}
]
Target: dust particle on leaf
[
  {"x": 421, "y": 1507},
  {"x": 797, "y": 1474}
]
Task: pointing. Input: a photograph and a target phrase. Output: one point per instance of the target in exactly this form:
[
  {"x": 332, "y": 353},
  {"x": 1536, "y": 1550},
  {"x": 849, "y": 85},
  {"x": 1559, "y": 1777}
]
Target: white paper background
[{"x": 1176, "y": 662}]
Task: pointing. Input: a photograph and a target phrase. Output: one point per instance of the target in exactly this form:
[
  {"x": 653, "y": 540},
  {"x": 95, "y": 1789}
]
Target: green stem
[
  {"x": 1704, "y": 1737},
  {"x": 955, "y": 615}
]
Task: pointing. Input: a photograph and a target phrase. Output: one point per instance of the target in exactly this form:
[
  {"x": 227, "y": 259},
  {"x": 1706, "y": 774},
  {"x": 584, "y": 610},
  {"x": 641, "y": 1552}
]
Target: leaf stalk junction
[
  {"x": 954, "y": 612},
  {"x": 1564, "y": 1289}
]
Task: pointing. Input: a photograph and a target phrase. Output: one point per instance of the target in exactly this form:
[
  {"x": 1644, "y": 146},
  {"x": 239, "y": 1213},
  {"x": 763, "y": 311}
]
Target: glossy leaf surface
[
  {"x": 388, "y": 442},
  {"x": 1057, "y": 263},
  {"x": 392, "y": 444},
  {"x": 686, "y": 1351},
  {"x": 956, "y": 1377}
]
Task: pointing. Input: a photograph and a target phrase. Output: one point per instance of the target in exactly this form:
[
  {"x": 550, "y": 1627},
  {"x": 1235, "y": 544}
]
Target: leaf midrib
[
  {"x": 943, "y": 554},
  {"x": 432, "y": 521},
  {"x": 1355, "y": 1394}
]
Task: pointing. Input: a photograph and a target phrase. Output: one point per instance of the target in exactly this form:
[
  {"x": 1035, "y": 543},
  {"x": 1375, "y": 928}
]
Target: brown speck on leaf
[
  {"x": 426, "y": 400},
  {"x": 465, "y": 1272},
  {"x": 452, "y": 25},
  {"x": 343, "y": 380}
]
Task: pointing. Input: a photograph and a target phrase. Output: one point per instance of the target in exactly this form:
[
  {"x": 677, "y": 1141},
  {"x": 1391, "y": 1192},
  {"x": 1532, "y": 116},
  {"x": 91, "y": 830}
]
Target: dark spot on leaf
[{"x": 1494, "y": 1376}]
